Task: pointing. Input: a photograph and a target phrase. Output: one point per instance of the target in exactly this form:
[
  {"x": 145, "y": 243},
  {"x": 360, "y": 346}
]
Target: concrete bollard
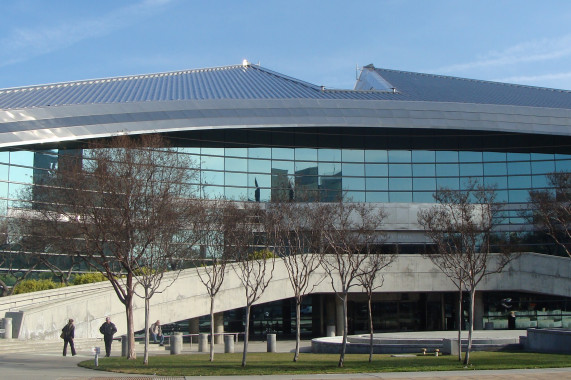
[
  {"x": 176, "y": 343},
  {"x": 7, "y": 323},
  {"x": 124, "y": 345},
  {"x": 203, "y": 343},
  {"x": 330, "y": 330},
  {"x": 228, "y": 344},
  {"x": 271, "y": 342}
]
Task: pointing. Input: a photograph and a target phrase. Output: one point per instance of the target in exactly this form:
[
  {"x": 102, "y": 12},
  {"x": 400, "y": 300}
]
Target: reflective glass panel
[
  {"x": 377, "y": 170},
  {"x": 260, "y": 153},
  {"x": 446, "y": 156},
  {"x": 282, "y": 154},
  {"x": 518, "y": 157},
  {"x": 519, "y": 182},
  {"x": 426, "y": 184},
  {"x": 236, "y": 179},
  {"x": 467, "y": 170},
  {"x": 352, "y": 155},
  {"x": 236, "y": 152},
  {"x": 400, "y": 196},
  {"x": 353, "y": 169},
  {"x": 563, "y": 166},
  {"x": 357, "y": 183},
  {"x": 423, "y": 156},
  {"x": 518, "y": 195},
  {"x": 355, "y": 196},
  {"x": 449, "y": 183},
  {"x": 305, "y": 154},
  {"x": 374, "y": 184},
  {"x": 494, "y": 157},
  {"x": 424, "y": 170},
  {"x": 376, "y": 156},
  {"x": 539, "y": 181},
  {"x": 379, "y": 196},
  {"x": 399, "y": 156},
  {"x": 212, "y": 163},
  {"x": 447, "y": 170},
  {"x": 331, "y": 155},
  {"x": 212, "y": 178},
  {"x": 542, "y": 167},
  {"x": 400, "y": 184},
  {"x": 259, "y": 166},
  {"x": 498, "y": 182},
  {"x": 236, "y": 193},
  {"x": 470, "y": 156},
  {"x": 499, "y": 168},
  {"x": 519, "y": 168},
  {"x": 236, "y": 164},
  {"x": 400, "y": 170},
  {"x": 5, "y": 157},
  {"x": 423, "y": 197},
  {"x": 329, "y": 168}
]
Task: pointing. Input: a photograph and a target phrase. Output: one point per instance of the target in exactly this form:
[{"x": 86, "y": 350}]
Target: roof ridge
[
  {"x": 475, "y": 80},
  {"x": 113, "y": 79}
]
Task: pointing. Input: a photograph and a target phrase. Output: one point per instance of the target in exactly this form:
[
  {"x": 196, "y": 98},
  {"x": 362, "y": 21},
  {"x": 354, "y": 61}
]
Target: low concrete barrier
[{"x": 548, "y": 340}]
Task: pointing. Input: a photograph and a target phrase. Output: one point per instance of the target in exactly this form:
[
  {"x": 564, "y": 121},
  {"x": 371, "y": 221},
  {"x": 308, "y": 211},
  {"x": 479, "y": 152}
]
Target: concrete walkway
[{"x": 50, "y": 365}]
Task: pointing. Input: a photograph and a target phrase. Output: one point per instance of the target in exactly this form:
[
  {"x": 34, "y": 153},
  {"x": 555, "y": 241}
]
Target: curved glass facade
[{"x": 357, "y": 171}]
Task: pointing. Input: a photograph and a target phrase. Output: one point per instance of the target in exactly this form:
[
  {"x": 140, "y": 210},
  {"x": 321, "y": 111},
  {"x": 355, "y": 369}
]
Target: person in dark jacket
[
  {"x": 108, "y": 329},
  {"x": 68, "y": 333}
]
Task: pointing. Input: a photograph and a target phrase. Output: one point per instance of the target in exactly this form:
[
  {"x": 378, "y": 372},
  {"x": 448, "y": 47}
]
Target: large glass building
[{"x": 258, "y": 135}]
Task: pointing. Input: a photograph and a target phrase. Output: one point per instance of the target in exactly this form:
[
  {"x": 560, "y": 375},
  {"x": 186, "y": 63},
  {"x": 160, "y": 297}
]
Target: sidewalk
[{"x": 50, "y": 365}]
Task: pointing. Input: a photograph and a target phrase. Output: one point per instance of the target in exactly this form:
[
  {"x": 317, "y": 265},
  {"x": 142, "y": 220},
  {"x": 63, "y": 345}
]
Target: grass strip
[{"x": 282, "y": 363}]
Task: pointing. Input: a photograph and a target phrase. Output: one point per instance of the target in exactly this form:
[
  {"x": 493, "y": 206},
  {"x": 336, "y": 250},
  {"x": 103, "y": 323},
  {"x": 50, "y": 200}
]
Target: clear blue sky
[{"x": 319, "y": 41}]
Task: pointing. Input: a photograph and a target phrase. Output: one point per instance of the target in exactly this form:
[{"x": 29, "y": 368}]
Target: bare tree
[
  {"x": 349, "y": 232},
  {"x": 371, "y": 279},
  {"x": 211, "y": 267},
  {"x": 117, "y": 203},
  {"x": 246, "y": 243},
  {"x": 295, "y": 232},
  {"x": 461, "y": 227},
  {"x": 550, "y": 210}
]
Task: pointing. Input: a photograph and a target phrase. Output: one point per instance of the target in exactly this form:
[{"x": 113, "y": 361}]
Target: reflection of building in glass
[{"x": 393, "y": 141}]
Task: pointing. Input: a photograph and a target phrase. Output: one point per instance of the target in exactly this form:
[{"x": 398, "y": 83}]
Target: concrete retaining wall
[{"x": 548, "y": 340}]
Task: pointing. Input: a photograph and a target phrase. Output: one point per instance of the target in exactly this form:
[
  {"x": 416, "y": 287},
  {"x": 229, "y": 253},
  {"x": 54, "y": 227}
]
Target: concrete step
[{"x": 15, "y": 345}]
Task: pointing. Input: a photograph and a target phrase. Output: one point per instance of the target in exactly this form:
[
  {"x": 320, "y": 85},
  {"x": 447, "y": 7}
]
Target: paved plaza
[{"x": 50, "y": 365}]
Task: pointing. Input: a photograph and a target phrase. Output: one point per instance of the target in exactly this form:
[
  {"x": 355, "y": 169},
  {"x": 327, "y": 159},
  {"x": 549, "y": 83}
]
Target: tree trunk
[
  {"x": 246, "y": 334},
  {"x": 471, "y": 329},
  {"x": 131, "y": 354},
  {"x": 460, "y": 324},
  {"x": 211, "y": 329},
  {"x": 345, "y": 331},
  {"x": 147, "y": 309},
  {"x": 371, "y": 332},
  {"x": 297, "y": 327}
]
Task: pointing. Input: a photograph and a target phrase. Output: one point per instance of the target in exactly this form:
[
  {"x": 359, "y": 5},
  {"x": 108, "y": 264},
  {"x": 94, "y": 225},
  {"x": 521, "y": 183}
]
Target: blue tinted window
[
  {"x": 329, "y": 168},
  {"x": 236, "y": 164},
  {"x": 446, "y": 156},
  {"x": 518, "y": 195},
  {"x": 423, "y": 197},
  {"x": 563, "y": 166},
  {"x": 377, "y": 184},
  {"x": 377, "y": 170},
  {"x": 518, "y": 157},
  {"x": 355, "y": 196},
  {"x": 519, "y": 168},
  {"x": 449, "y": 183},
  {"x": 236, "y": 152},
  {"x": 539, "y": 181},
  {"x": 470, "y": 156},
  {"x": 377, "y": 196},
  {"x": 400, "y": 184},
  {"x": 499, "y": 168},
  {"x": 494, "y": 157},
  {"x": 519, "y": 182},
  {"x": 212, "y": 163},
  {"x": 447, "y": 170},
  {"x": 424, "y": 170},
  {"x": 424, "y": 184},
  {"x": 282, "y": 154},
  {"x": 356, "y": 183},
  {"x": 399, "y": 155},
  {"x": 497, "y": 182},
  {"x": 376, "y": 156},
  {"x": 259, "y": 166},
  {"x": 423, "y": 156},
  {"x": 542, "y": 167},
  {"x": 304, "y": 168},
  {"x": 400, "y": 170},
  {"x": 4, "y": 157},
  {"x": 501, "y": 195},
  {"x": 353, "y": 169},
  {"x": 212, "y": 178},
  {"x": 471, "y": 170},
  {"x": 260, "y": 153},
  {"x": 352, "y": 155},
  {"x": 331, "y": 155},
  {"x": 236, "y": 193},
  {"x": 213, "y": 191},
  {"x": 305, "y": 154},
  {"x": 400, "y": 196}
]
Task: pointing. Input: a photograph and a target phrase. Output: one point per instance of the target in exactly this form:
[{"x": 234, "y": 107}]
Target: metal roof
[
  {"x": 249, "y": 81},
  {"x": 437, "y": 88},
  {"x": 231, "y": 82}
]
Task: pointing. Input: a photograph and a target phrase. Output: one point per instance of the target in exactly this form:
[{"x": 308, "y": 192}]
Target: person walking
[
  {"x": 67, "y": 334},
  {"x": 108, "y": 329},
  {"x": 157, "y": 331}
]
